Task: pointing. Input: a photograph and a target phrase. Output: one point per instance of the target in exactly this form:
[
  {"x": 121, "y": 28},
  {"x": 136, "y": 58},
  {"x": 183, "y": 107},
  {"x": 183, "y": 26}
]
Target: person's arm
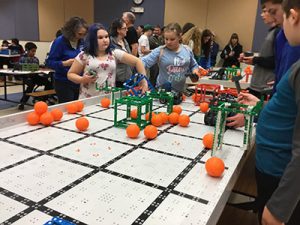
[
  {"x": 134, "y": 49},
  {"x": 287, "y": 195},
  {"x": 265, "y": 62},
  {"x": 54, "y": 60},
  {"x": 224, "y": 53},
  {"x": 134, "y": 62},
  {"x": 152, "y": 58}
]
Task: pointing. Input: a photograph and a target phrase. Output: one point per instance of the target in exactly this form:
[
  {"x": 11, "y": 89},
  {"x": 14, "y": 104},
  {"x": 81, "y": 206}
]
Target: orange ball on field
[
  {"x": 177, "y": 109},
  {"x": 82, "y": 124},
  {"x": 80, "y": 106},
  {"x": 132, "y": 131},
  {"x": 105, "y": 102},
  {"x": 208, "y": 140},
  {"x": 46, "y": 118},
  {"x": 195, "y": 98},
  {"x": 148, "y": 115},
  {"x": 150, "y": 132},
  {"x": 57, "y": 114},
  {"x": 173, "y": 118},
  {"x": 133, "y": 113},
  {"x": 164, "y": 116},
  {"x": 214, "y": 167},
  {"x": 204, "y": 106},
  {"x": 184, "y": 120},
  {"x": 156, "y": 120},
  {"x": 33, "y": 118},
  {"x": 71, "y": 108},
  {"x": 40, "y": 107}
]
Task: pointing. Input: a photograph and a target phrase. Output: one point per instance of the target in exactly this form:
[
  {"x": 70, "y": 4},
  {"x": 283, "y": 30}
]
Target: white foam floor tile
[
  {"x": 150, "y": 166},
  {"x": 40, "y": 177},
  {"x": 199, "y": 184},
  {"x": 105, "y": 199},
  {"x": 17, "y": 129},
  {"x": 9, "y": 208},
  {"x": 177, "y": 210},
  {"x": 119, "y": 134},
  {"x": 234, "y": 137},
  {"x": 189, "y": 106},
  {"x": 198, "y": 118},
  {"x": 93, "y": 151},
  {"x": 177, "y": 145},
  {"x": 47, "y": 138},
  {"x": 193, "y": 130},
  {"x": 11, "y": 154},
  {"x": 94, "y": 125},
  {"x": 91, "y": 109},
  {"x": 109, "y": 114},
  {"x": 67, "y": 116},
  {"x": 229, "y": 154},
  {"x": 34, "y": 218}
]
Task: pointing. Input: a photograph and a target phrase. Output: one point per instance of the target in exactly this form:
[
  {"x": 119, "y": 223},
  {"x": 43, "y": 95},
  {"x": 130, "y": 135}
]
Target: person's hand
[
  {"x": 271, "y": 83},
  {"x": 236, "y": 121},
  {"x": 68, "y": 62},
  {"x": 88, "y": 78},
  {"x": 248, "y": 60},
  {"x": 269, "y": 219},
  {"x": 144, "y": 86},
  {"x": 247, "y": 99},
  {"x": 231, "y": 53}
]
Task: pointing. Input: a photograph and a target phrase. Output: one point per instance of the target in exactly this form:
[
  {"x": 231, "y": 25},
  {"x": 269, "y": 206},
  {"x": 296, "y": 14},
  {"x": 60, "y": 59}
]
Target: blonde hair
[
  {"x": 174, "y": 27},
  {"x": 193, "y": 34}
]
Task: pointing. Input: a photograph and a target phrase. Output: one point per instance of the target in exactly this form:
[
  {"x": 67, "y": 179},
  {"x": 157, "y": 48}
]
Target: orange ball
[
  {"x": 164, "y": 116},
  {"x": 177, "y": 109},
  {"x": 71, "y": 108},
  {"x": 204, "y": 106},
  {"x": 148, "y": 115},
  {"x": 195, "y": 98},
  {"x": 184, "y": 120},
  {"x": 46, "y": 118},
  {"x": 33, "y": 118},
  {"x": 173, "y": 118},
  {"x": 105, "y": 102},
  {"x": 40, "y": 107},
  {"x": 82, "y": 124},
  {"x": 214, "y": 167},
  {"x": 150, "y": 132},
  {"x": 133, "y": 114},
  {"x": 208, "y": 140},
  {"x": 80, "y": 106},
  {"x": 57, "y": 114},
  {"x": 133, "y": 131},
  {"x": 156, "y": 120}
]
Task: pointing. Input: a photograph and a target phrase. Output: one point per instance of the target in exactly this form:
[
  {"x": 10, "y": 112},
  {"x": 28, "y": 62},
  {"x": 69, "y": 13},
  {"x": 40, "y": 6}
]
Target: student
[
  {"x": 192, "y": 38},
  {"x": 214, "y": 50},
  {"x": 206, "y": 43},
  {"x": 131, "y": 36},
  {"x": 32, "y": 80},
  {"x": 144, "y": 45},
  {"x": 278, "y": 138},
  {"x": 232, "y": 51},
  {"x": 174, "y": 60},
  {"x": 62, "y": 53},
  {"x": 100, "y": 57},
  {"x": 264, "y": 65},
  {"x": 118, "y": 32}
]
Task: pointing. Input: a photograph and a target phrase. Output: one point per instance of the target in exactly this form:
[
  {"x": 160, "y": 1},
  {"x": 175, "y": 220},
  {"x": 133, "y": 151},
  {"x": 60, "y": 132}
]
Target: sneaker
[{"x": 21, "y": 107}]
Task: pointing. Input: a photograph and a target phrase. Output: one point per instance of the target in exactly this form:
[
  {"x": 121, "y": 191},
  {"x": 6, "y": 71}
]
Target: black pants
[
  {"x": 154, "y": 70},
  {"x": 266, "y": 185},
  {"x": 65, "y": 91},
  {"x": 32, "y": 82}
]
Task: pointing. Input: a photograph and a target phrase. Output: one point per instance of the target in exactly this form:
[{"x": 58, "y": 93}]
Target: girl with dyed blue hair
[{"x": 95, "y": 66}]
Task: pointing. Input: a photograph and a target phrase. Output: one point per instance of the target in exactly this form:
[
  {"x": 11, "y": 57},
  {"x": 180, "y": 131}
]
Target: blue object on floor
[{"x": 58, "y": 221}]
